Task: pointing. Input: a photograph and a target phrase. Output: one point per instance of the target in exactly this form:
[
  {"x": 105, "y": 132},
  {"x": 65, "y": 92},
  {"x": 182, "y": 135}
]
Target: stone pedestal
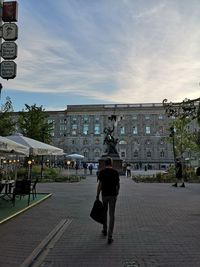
[{"x": 117, "y": 162}]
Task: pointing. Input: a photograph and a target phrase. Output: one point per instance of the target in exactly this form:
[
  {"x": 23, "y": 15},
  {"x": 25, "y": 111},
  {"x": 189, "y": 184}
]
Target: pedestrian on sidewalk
[
  {"x": 90, "y": 168},
  {"x": 179, "y": 174},
  {"x": 85, "y": 168},
  {"x": 108, "y": 185},
  {"x": 128, "y": 170}
]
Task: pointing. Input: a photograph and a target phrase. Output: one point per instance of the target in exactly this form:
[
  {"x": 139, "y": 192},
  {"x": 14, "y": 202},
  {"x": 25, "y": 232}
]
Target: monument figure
[
  {"x": 110, "y": 141},
  {"x": 111, "y": 151}
]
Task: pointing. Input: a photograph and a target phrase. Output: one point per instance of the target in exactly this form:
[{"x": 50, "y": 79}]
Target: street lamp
[
  {"x": 29, "y": 169},
  {"x": 172, "y": 133},
  {"x": 68, "y": 164}
]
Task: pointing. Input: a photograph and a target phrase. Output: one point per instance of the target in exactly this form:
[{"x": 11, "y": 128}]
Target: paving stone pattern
[{"x": 156, "y": 225}]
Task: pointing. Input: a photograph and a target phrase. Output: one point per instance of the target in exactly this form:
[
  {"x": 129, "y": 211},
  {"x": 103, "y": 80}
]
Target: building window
[
  {"x": 97, "y": 153},
  {"x": 85, "y": 153},
  {"x": 74, "y": 129},
  {"x": 148, "y": 143},
  {"x": 97, "y": 120},
  {"x": 122, "y": 130},
  {"x": 123, "y": 154},
  {"x": 147, "y": 117},
  {"x": 160, "y": 117},
  {"x": 97, "y": 141},
  {"x": 135, "y": 154},
  {"x": 134, "y": 117},
  {"x": 96, "y": 129},
  {"x": 50, "y": 121},
  {"x": 147, "y": 130},
  {"x": 74, "y": 120},
  {"x": 161, "y": 130},
  {"x": 63, "y": 121},
  {"x": 148, "y": 154},
  {"x": 162, "y": 154},
  {"x": 85, "y": 120},
  {"x": 85, "y": 129},
  {"x": 135, "y": 131},
  {"x": 85, "y": 142},
  {"x": 73, "y": 142},
  {"x": 63, "y": 127}
]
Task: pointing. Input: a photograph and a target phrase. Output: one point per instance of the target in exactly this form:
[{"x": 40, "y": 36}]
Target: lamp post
[
  {"x": 68, "y": 164},
  {"x": 5, "y": 168},
  {"x": 172, "y": 133},
  {"x": 29, "y": 169}
]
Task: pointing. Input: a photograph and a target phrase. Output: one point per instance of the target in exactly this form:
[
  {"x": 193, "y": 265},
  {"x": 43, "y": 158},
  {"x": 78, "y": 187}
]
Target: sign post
[
  {"x": 8, "y": 69},
  {"x": 9, "y": 32},
  {"x": 1, "y": 34},
  {"x": 8, "y": 50}
]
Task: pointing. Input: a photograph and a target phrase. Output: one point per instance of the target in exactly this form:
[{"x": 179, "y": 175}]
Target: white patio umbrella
[
  {"x": 74, "y": 156},
  {"x": 36, "y": 148},
  {"x": 8, "y": 146}
]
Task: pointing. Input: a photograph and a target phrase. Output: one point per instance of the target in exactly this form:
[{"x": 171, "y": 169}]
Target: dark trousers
[{"x": 109, "y": 201}]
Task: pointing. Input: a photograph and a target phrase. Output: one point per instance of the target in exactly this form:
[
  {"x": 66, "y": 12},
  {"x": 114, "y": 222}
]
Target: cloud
[{"x": 121, "y": 53}]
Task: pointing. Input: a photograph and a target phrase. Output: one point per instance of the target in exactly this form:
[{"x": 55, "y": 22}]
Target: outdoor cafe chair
[
  {"x": 1, "y": 187},
  {"x": 33, "y": 187},
  {"x": 22, "y": 188}
]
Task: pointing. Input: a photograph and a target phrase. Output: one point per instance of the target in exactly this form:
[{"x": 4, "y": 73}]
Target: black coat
[{"x": 179, "y": 174}]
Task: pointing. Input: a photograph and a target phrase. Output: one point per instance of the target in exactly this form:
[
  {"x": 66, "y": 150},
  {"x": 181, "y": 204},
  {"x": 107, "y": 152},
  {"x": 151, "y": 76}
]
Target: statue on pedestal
[
  {"x": 111, "y": 151},
  {"x": 110, "y": 141}
]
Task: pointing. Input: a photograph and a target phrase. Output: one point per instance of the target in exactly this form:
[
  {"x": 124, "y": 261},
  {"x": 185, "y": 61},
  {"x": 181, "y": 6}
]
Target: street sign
[
  {"x": 10, "y": 11},
  {"x": 8, "y": 50},
  {"x": 8, "y": 69},
  {"x": 10, "y": 31}
]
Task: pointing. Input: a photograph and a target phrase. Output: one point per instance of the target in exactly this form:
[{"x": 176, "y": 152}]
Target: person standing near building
[
  {"x": 109, "y": 184},
  {"x": 91, "y": 168},
  {"x": 179, "y": 174},
  {"x": 85, "y": 168},
  {"x": 128, "y": 170}
]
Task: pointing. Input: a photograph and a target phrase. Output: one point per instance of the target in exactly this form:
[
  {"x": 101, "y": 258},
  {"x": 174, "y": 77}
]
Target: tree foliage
[
  {"x": 198, "y": 132},
  {"x": 7, "y": 124},
  {"x": 184, "y": 139},
  {"x": 33, "y": 123},
  {"x": 198, "y": 115}
]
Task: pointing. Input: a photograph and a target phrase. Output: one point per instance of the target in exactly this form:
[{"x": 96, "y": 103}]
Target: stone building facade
[{"x": 141, "y": 130}]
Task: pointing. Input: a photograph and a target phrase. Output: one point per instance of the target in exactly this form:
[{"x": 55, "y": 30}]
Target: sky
[{"x": 73, "y": 52}]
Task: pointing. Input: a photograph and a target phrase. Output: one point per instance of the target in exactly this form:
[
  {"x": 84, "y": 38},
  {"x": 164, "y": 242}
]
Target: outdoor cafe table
[{"x": 6, "y": 190}]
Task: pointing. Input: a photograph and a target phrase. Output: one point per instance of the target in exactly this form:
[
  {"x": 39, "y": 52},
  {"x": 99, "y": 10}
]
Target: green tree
[
  {"x": 33, "y": 123},
  {"x": 198, "y": 115},
  {"x": 184, "y": 139},
  {"x": 7, "y": 123},
  {"x": 198, "y": 132}
]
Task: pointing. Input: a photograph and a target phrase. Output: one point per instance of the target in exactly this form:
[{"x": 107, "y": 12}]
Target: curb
[{"x": 26, "y": 208}]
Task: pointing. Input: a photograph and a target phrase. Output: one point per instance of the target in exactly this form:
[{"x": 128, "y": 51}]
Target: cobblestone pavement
[{"x": 156, "y": 225}]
